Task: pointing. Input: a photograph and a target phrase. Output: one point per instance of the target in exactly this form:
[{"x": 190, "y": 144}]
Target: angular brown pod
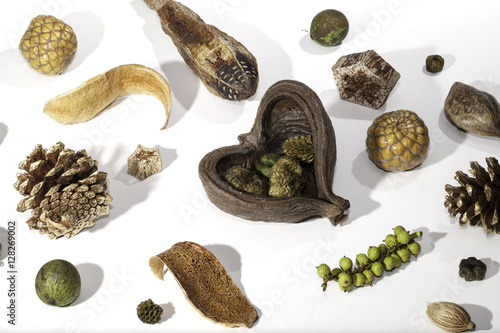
[
  {"x": 289, "y": 108},
  {"x": 206, "y": 284}
]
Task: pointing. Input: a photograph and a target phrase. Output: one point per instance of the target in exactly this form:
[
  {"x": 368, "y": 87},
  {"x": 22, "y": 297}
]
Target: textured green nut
[
  {"x": 414, "y": 248},
  {"x": 397, "y": 260},
  {"x": 369, "y": 276},
  {"x": 403, "y": 237},
  {"x": 300, "y": 147},
  {"x": 404, "y": 254},
  {"x": 373, "y": 253},
  {"x": 377, "y": 268},
  {"x": 344, "y": 279},
  {"x": 323, "y": 270},
  {"x": 286, "y": 178},
  {"x": 269, "y": 159},
  {"x": 358, "y": 280},
  {"x": 346, "y": 289},
  {"x": 388, "y": 263},
  {"x": 329, "y": 27},
  {"x": 398, "y": 229},
  {"x": 246, "y": 180},
  {"x": 383, "y": 249},
  {"x": 345, "y": 263},
  {"x": 391, "y": 240},
  {"x": 362, "y": 259},
  {"x": 335, "y": 272},
  {"x": 434, "y": 63}
]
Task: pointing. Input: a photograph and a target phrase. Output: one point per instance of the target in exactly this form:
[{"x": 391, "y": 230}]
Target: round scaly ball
[
  {"x": 397, "y": 141},
  {"x": 48, "y": 45},
  {"x": 149, "y": 312}
]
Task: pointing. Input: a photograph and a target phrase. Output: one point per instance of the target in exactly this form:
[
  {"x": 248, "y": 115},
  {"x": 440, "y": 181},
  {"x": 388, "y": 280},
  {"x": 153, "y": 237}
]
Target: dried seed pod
[
  {"x": 224, "y": 65},
  {"x": 144, "y": 162},
  {"x": 450, "y": 317},
  {"x": 472, "y": 269},
  {"x": 91, "y": 97},
  {"x": 473, "y": 110},
  {"x": 246, "y": 180},
  {"x": 300, "y": 147},
  {"x": 288, "y": 108},
  {"x": 434, "y": 63},
  {"x": 206, "y": 284},
  {"x": 149, "y": 312},
  {"x": 286, "y": 178}
]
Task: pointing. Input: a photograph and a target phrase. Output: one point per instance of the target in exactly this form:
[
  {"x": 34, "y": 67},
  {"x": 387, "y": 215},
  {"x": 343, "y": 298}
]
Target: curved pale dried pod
[
  {"x": 473, "y": 110},
  {"x": 206, "y": 284},
  {"x": 223, "y": 64},
  {"x": 288, "y": 108},
  {"x": 450, "y": 317},
  {"x": 85, "y": 102}
]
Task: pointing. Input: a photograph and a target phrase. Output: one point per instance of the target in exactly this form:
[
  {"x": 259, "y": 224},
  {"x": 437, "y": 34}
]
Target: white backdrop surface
[{"x": 273, "y": 263}]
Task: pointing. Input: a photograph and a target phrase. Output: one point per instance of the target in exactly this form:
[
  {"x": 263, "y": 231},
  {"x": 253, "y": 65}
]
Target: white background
[{"x": 273, "y": 263}]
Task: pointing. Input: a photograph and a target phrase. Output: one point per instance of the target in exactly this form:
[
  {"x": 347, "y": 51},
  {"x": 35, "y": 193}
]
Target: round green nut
[
  {"x": 335, "y": 272},
  {"x": 346, "y": 289},
  {"x": 377, "y": 268},
  {"x": 391, "y": 240},
  {"x": 344, "y": 279},
  {"x": 58, "y": 283},
  {"x": 362, "y": 259},
  {"x": 345, "y": 263},
  {"x": 398, "y": 229},
  {"x": 369, "y": 276},
  {"x": 329, "y": 27},
  {"x": 414, "y": 248},
  {"x": 383, "y": 249},
  {"x": 388, "y": 263},
  {"x": 397, "y": 260},
  {"x": 358, "y": 280},
  {"x": 404, "y": 254},
  {"x": 403, "y": 237},
  {"x": 373, "y": 253},
  {"x": 323, "y": 270}
]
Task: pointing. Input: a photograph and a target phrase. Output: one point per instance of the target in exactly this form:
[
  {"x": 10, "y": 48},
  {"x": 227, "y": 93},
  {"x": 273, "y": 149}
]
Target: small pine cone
[
  {"x": 64, "y": 189},
  {"x": 286, "y": 178},
  {"x": 477, "y": 200},
  {"x": 149, "y": 312},
  {"x": 300, "y": 147}
]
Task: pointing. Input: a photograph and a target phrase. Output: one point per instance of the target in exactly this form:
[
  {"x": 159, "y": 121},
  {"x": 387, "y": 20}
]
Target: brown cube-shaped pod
[
  {"x": 144, "y": 162},
  {"x": 364, "y": 78}
]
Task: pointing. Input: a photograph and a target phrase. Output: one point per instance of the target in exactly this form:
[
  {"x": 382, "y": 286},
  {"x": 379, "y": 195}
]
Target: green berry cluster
[{"x": 396, "y": 249}]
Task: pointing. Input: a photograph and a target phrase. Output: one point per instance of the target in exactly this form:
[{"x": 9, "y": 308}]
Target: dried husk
[
  {"x": 85, "y": 102},
  {"x": 206, "y": 284},
  {"x": 450, "y": 317},
  {"x": 224, "y": 65},
  {"x": 289, "y": 108}
]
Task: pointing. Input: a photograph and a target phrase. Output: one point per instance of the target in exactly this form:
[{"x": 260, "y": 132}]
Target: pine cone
[
  {"x": 149, "y": 312},
  {"x": 478, "y": 197},
  {"x": 64, "y": 189},
  {"x": 300, "y": 147}
]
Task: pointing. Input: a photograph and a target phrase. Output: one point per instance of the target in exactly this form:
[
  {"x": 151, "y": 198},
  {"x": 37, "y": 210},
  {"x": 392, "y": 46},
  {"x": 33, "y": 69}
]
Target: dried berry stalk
[
  {"x": 90, "y": 98},
  {"x": 223, "y": 64},
  {"x": 450, "y": 317}
]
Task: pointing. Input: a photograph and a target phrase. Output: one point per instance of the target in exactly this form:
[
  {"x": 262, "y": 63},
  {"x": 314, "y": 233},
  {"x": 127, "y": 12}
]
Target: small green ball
[
  {"x": 398, "y": 229},
  {"x": 335, "y": 272},
  {"x": 414, "y": 248},
  {"x": 391, "y": 240},
  {"x": 384, "y": 249},
  {"x": 344, "y": 279},
  {"x": 373, "y": 253},
  {"x": 377, "y": 268},
  {"x": 358, "y": 280},
  {"x": 403, "y": 237},
  {"x": 388, "y": 263},
  {"x": 369, "y": 276},
  {"x": 362, "y": 259},
  {"x": 346, "y": 289},
  {"x": 323, "y": 270},
  {"x": 404, "y": 254},
  {"x": 397, "y": 260},
  {"x": 329, "y": 27},
  {"x": 345, "y": 263}
]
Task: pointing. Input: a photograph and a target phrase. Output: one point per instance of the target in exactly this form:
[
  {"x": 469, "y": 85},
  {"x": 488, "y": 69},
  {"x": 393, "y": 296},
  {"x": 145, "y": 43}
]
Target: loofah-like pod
[
  {"x": 64, "y": 189},
  {"x": 477, "y": 199}
]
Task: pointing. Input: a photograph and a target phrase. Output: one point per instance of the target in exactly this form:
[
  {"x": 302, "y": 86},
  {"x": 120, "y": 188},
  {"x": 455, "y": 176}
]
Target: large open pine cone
[
  {"x": 478, "y": 197},
  {"x": 64, "y": 189}
]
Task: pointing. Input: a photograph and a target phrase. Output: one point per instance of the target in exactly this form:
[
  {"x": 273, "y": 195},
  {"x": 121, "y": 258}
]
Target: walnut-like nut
[{"x": 144, "y": 162}]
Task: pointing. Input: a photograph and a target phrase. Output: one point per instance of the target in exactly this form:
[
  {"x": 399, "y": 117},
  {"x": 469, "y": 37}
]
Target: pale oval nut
[
  {"x": 397, "y": 141},
  {"x": 450, "y": 316},
  {"x": 48, "y": 45},
  {"x": 86, "y": 101}
]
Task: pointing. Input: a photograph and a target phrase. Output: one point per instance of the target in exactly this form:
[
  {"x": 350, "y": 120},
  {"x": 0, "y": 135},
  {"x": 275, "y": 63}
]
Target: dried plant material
[
  {"x": 93, "y": 96},
  {"x": 450, "y": 317},
  {"x": 206, "y": 284},
  {"x": 64, "y": 189},
  {"x": 223, "y": 64},
  {"x": 149, "y": 312},
  {"x": 246, "y": 180},
  {"x": 473, "y": 110},
  {"x": 300, "y": 147},
  {"x": 477, "y": 199},
  {"x": 144, "y": 162},
  {"x": 472, "y": 269},
  {"x": 364, "y": 78},
  {"x": 48, "y": 45},
  {"x": 288, "y": 108}
]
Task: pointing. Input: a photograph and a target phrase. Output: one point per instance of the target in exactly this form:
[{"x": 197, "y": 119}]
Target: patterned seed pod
[
  {"x": 397, "y": 141},
  {"x": 149, "y": 312},
  {"x": 300, "y": 147},
  {"x": 48, "y": 45},
  {"x": 286, "y": 178}
]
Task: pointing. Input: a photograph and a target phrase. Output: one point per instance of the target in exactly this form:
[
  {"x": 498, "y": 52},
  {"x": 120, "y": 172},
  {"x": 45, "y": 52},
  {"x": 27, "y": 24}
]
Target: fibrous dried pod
[
  {"x": 364, "y": 78},
  {"x": 300, "y": 147},
  {"x": 472, "y": 269},
  {"x": 144, "y": 162},
  {"x": 223, "y": 64},
  {"x": 286, "y": 178},
  {"x": 64, "y": 189},
  {"x": 246, "y": 180},
  {"x": 473, "y": 110},
  {"x": 477, "y": 199},
  {"x": 450, "y": 317},
  {"x": 289, "y": 108},
  {"x": 206, "y": 284},
  {"x": 88, "y": 100}
]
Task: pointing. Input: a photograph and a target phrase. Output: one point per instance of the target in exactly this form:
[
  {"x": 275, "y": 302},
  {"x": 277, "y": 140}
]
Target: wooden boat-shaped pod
[{"x": 288, "y": 109}]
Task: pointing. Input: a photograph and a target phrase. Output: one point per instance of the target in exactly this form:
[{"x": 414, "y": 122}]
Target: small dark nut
[
  {"x": 329, "y": 27},
  {"x": 434, "y": 63},
  {"x": 472, "y": 269}
]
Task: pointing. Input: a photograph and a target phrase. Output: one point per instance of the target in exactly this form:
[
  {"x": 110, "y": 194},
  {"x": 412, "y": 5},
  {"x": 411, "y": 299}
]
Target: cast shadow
[
  {"x": 168, "y": 312},
  {"x": 17, "y": 73},
  {"x": 308, "y": 45},
  {"x": 480, "y": 315},
  {"x": 3, "y": 241},
  {"x": 3, "y": 132},
  {"x": 492, "y": 267},
  {"x": 92, "y": 276}
]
